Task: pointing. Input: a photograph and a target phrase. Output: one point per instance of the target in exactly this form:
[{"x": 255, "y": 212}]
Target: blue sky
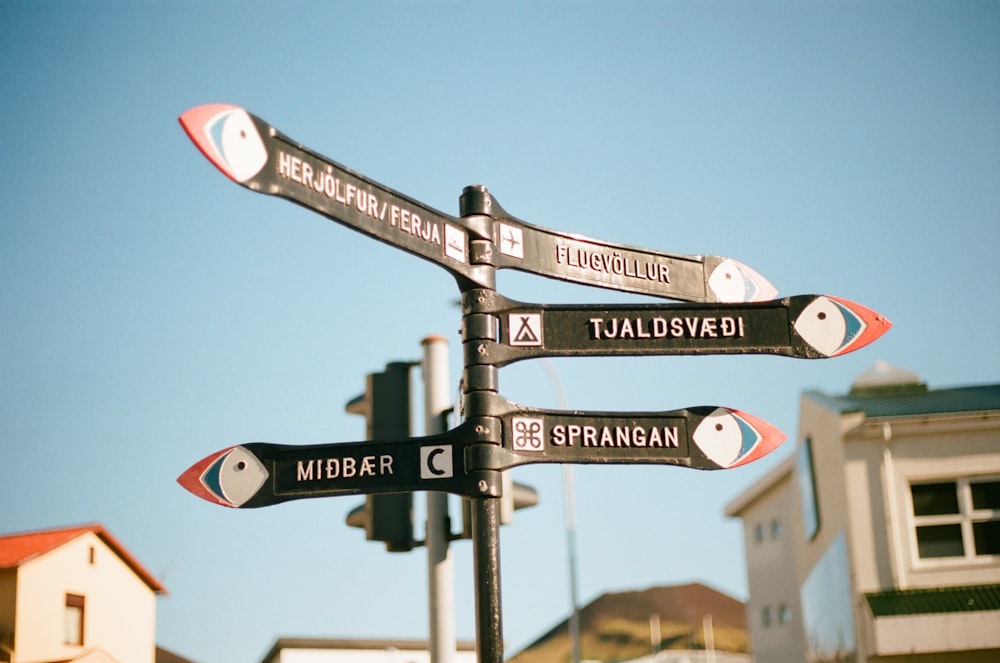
[{"x": 154, "y": 312}]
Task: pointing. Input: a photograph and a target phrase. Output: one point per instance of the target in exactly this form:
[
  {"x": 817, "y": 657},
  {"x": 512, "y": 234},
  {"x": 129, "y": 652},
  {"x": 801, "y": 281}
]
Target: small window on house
[
  {"x": 91, "y": 555},
  {"x": 784, "y": 614},
  {"x": 777, "y": 529},
  {"x": 73, "y": 620},
  {"x": 765, "y": 616},
  {"x": 758, "y": 533}
]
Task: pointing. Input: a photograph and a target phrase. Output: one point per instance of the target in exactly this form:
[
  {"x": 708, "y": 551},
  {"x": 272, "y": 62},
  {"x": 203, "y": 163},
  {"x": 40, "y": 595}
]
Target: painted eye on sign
[{"x": 229, "y": 477}]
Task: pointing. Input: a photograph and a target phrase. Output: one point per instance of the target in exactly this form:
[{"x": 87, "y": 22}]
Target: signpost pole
[
  {"x": 440, "y": 565},
  {"x": 486, "y": 561},
  {"x": 476, "y": 201}
]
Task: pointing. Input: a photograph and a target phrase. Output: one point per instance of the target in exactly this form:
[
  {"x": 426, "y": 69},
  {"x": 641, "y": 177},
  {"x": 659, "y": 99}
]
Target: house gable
[{"x": 18, "y": 549}]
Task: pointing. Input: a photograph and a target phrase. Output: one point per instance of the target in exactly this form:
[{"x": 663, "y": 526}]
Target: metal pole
[
  {"x": 574, "y": 618},
  {"x": 477, "y": 205},
  {"x": 486, "y": 560},
  {"x": 440, "y": 566}
]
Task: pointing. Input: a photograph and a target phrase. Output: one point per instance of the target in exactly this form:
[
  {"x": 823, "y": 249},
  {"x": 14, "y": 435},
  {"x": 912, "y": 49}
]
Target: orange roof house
[{"x": 75, "y": 594}]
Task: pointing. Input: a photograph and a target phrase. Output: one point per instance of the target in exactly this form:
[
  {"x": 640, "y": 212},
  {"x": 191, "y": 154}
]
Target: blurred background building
[{"x": 879, "y": 539}]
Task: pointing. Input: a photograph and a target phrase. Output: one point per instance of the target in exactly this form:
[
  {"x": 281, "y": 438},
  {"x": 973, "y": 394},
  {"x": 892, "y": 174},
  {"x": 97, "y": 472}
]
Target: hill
[{"x": 616, "y": 626}]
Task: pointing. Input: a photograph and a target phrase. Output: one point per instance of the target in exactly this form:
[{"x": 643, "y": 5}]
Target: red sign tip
[
  {"x": 771, "y": 437},
  {"x": 193, "y": 479},
  {"x": 228, "y": 137}
]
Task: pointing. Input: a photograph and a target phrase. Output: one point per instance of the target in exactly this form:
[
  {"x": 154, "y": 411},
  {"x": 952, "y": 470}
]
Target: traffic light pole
[{"x": 440, "y": 565}]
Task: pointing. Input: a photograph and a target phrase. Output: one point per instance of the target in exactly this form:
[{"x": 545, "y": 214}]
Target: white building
[
  {"x": 319, "y": 650},
  {"x": 75, "y": 594},
  {"x": 693, "y": 656},
  {"x": 879, "y": 540}
]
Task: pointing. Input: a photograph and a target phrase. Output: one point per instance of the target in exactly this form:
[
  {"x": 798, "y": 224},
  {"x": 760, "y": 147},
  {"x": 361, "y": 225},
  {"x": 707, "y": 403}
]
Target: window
[
  {"x": 957, "y": 519},
  {"x": 758, "y": 533},
  {"x": 777, "y": 530},
  {"x": 73, "y": 620},
  {"x": 784, "y": 614},
  {"x": 765, "y": 616},
  {"x": 805, "y": 472}
]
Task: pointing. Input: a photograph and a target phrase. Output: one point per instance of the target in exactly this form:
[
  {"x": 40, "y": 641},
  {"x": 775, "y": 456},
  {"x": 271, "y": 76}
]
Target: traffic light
[{"x": 386, "y": 517}]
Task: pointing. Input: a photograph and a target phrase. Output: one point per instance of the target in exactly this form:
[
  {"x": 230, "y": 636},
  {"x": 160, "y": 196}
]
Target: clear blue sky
[{"x": 153, "y": 312}]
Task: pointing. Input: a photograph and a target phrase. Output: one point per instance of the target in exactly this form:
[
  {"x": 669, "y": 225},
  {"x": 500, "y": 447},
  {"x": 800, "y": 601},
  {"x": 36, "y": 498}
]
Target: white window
[
  {"x": 73, "y": 620},
  {"x": 957, "y": 518}
]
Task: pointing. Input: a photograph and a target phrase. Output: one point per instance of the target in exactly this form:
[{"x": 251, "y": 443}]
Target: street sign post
[{"x": 730, "y": 309}]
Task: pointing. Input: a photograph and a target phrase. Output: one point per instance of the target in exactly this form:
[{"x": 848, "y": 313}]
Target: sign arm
[
  {"x": 579, "y": 259},
  {"x": 257, "y": 156},
  {"x": 803, "y": 326}
]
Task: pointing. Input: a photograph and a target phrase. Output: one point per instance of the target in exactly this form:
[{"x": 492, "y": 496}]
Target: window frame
[
  {"x": 74, "y": 604},
  {"x": 805, "y": 471},
  {"x": 966, "y": 517},
  {"x": 766, "y": 618}
]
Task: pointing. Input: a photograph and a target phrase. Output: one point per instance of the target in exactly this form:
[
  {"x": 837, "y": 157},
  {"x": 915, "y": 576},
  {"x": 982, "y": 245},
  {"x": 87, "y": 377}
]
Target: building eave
[
  {"x": 739, "y": 504},
  {"x": 38, "y": 543}
]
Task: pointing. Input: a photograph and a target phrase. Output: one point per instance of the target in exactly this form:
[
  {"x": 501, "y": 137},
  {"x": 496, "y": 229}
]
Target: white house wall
[
  {"x": 952, "y": 632},
  {"x": 771, "y": 572},
  {"x": 120, "y": 609},
  {"x": 364, "y": 656}
]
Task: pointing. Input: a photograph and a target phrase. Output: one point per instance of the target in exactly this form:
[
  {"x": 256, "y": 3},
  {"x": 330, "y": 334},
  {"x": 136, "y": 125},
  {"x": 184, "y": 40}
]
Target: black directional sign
[
  {"x": 256, "y": 155},
  {"x": 705, "y": 438},
  {"x": 805, "y": 326},
  {"x": 259, "y": 157},
  {"x": 520, "y": 245},
  {"x": 259, "y": 474}
]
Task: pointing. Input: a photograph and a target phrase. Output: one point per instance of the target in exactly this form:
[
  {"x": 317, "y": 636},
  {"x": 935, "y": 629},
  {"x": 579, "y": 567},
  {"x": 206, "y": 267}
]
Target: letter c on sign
[
  {"x": 436, "y": 462},
  {"x": 430, "y": 461}
]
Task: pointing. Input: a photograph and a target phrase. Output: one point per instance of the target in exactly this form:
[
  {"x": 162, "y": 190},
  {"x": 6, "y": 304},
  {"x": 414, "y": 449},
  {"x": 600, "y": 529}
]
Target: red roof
[{"x": 17, "y": 549}]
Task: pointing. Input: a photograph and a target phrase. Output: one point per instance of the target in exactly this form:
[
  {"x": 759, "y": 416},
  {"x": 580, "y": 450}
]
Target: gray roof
[
  {"x": 913, "y": 399},
  {"x": 936, "y": 600}
]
